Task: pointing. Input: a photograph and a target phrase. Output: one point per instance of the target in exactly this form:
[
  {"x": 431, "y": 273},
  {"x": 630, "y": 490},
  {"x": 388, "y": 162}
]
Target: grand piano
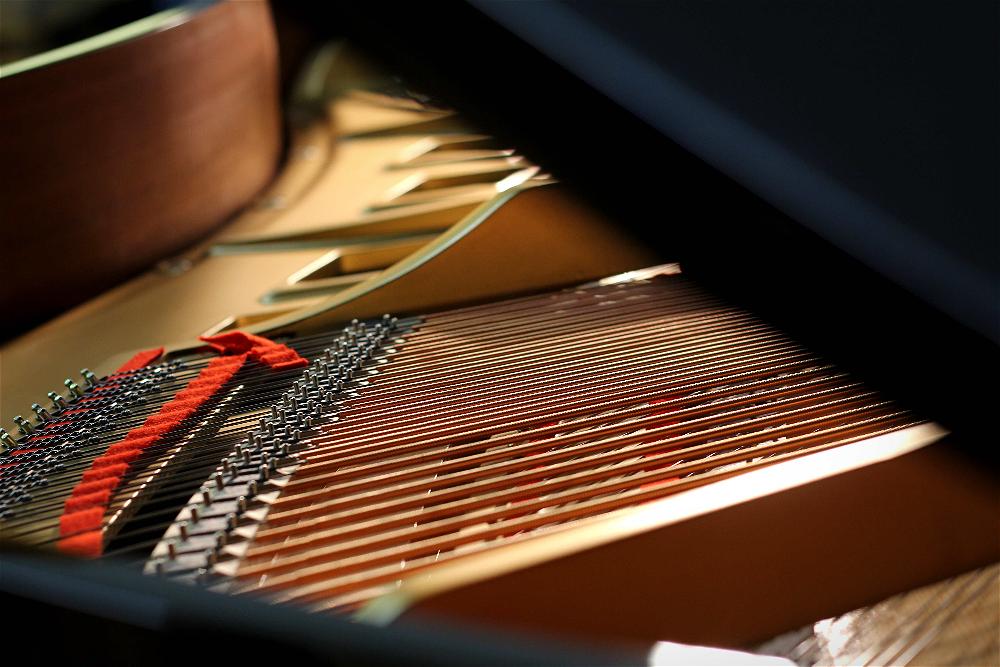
[{"x": 820, "y": 177}]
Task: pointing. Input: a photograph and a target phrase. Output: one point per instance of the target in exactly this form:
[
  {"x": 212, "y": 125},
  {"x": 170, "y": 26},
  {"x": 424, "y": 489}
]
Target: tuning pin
[
  {"x": 58, "y": 402},
  {"x": 6, "y": 440},
  {"x": 40, "y": 412},
  {"x": 232, "y": 521},
  {"x": 74, "y": 389},
  {"x": 23, "y": 425},
  {"x": 182, "y": 529},
  {"x": 220, "y": 481},
  {"x": 171, "y": 551},
  {"x": 88, "y": 377}
]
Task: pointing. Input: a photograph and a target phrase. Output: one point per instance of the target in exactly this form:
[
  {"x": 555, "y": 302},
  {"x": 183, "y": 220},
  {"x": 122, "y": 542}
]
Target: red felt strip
[
  {"x": 115, "y": 459},
  {"x": 235, "y": 342},
  {"x": 135, "y": 442},
  {"x": 159, "y": 419},
  {"x": 84, "y": 488},
  {"x": 201, "y": 385},
  {"x": 84, "y": 510},
  {"x": 178, "y": 404},
  {"x": 141, "y": 360},
  {"x": 85, "y": 545},
  {"x": 102, "y": 473},
  {"x": 77, "y": 522},
  {"x": 147, "y": 431},
  {"x": 86, "y": 500}
]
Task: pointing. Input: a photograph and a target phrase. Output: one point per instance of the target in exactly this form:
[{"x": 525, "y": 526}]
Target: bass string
[
  {"x": 302, "y": 470},
  {"x": 556, "y": 435},
  {"x": 612, "y": 325},
  {"x": 612, "y": 397},
  {"x": 543, "y": 463},
  {"x": 338, "y": 572},
  {"x": 528, "y": 367},
  {"x": 552, "y": 455},
  {"x": 331, "y": 457}
]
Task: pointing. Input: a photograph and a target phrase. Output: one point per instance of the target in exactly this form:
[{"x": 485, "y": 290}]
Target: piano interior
[{"x": 418, "y": 398}]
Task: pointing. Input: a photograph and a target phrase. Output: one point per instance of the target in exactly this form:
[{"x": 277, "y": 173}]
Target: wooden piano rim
[{"x": 517, "y": 586}]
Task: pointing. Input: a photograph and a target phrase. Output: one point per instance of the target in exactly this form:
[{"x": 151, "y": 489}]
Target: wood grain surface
[{"x": 121, "y": 156}]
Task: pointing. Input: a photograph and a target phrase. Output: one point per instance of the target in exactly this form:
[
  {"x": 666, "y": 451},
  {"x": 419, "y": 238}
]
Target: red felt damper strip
[
  {"x": 105, "y": 472},
  {"x": 200, "y": 386},
  {"x": 81, "y": 502},
  {"x": 201, "y": 394},
  {"x": 179, "y": 404},
  {"x": 115, "y": 459},
  {"x": 85, "y": 508},
  {"x": 171, "y": 418},
  {"x": 141, "y": 360},
  {"x": 76, "y": 522},
  {"x": 84, "y": 488},
  {"x": 235, "y": 342},
  {"x": 85, "y": 545},
  {"x": 258, "y": 348},
  {"x": 134, "y": 442},
  {"x": 148, "y": 431}
]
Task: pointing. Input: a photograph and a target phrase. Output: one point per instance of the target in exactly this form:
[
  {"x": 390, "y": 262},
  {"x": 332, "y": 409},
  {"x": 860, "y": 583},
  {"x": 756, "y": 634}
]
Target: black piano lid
[
  {"x": 831, "y": 165},
  {"x": 875, "y": 124}
]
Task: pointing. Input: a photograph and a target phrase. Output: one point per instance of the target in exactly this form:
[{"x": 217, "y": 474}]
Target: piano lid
[{"x": 874, "y": 124}]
